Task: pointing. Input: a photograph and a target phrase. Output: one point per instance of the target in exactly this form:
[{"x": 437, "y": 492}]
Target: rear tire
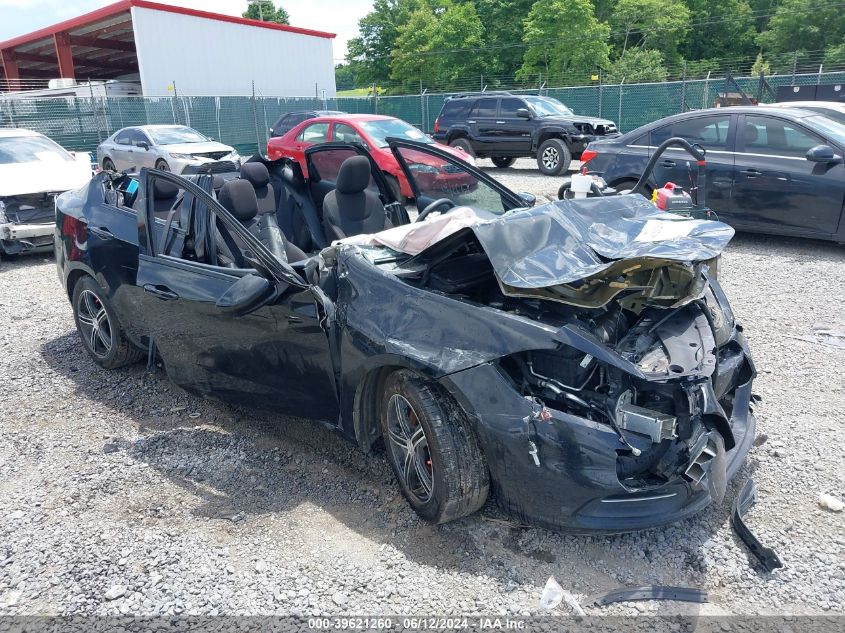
[
  {"x": 464, "y": 144},
  {"x": 99, "y": 327},
  {"x": 553, "y": 157},
  {"x": 503, "y": 162},
  {"x": 108, "y": 165},
  {"x": 432, "y": 449}
]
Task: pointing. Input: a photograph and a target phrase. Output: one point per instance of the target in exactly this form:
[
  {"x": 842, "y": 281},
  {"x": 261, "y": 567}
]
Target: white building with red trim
[{"x": 201, "y": 53}]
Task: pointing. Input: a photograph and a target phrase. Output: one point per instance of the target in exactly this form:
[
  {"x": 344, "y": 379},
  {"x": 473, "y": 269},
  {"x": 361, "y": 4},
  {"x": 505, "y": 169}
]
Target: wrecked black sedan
[{"x": 577, "y": 360}]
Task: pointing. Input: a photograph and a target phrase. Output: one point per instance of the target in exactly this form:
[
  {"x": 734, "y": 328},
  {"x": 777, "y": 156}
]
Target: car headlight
[
  {"x": 423, "y": 169},
  {"x": 183, "y": 156}
]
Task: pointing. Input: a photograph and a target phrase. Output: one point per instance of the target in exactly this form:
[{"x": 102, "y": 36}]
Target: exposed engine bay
[{"x": 646, "y": 345}]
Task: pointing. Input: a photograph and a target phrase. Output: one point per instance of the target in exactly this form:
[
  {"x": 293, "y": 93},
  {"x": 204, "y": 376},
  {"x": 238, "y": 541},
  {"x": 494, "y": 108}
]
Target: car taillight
[
  {"x": 437, "y": 124},
  {"x": 587, "y": 155}
]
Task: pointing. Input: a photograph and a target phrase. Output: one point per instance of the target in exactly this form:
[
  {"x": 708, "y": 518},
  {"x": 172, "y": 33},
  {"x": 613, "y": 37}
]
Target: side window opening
[{"x": 315, "y": 133}]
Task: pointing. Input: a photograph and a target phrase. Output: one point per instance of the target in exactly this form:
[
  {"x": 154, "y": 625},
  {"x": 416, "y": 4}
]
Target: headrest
[
  {"x": 750, "y": 133},
  {"x": 163, "y": 190},
  {"x": 217, "y": 182},
  {"x": 238, "y": 198},
  {"x": 256, "y": 174},
  {"x": 354, "y": 175}
]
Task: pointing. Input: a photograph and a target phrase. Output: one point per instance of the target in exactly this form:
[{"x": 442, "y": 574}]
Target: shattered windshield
[
  {"x": 382, "y": 129},
  {"x": 175, "y": 134},
  {"x": 546, "y": 106},
  {"x": 31, "y": 149}
]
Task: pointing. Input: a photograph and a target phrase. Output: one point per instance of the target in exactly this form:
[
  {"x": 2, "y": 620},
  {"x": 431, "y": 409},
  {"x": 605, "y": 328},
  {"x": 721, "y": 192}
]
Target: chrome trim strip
[{"x": 651, "y": 498}]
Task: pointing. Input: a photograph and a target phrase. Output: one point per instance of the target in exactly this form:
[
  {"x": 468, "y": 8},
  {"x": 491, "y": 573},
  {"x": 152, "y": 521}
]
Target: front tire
[
  {"x": 162, "y": 165},
  {"x": 464, "y": 144},
  {"x": 553, "y": 157},
  {"x": 503, "y": 162},
  {"x": 99, "y": 328},
  {"x": 432, "y": 449},
  {"x": 108, "y": 165}
]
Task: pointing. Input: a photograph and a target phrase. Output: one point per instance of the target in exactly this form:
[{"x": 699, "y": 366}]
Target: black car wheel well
[
  {"x": 545, "y": 136},
  {"x": 456, "y": 135},
  {"x": 366, "y": 406},
  {"x": 73, "y": 278}
]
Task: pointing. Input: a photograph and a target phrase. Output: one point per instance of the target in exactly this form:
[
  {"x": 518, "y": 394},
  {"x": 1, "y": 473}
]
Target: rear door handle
[
  {"x": 667, "y": 163},
  {"x": 751, "y": 173},
  {"x": 161, "y": 292}
]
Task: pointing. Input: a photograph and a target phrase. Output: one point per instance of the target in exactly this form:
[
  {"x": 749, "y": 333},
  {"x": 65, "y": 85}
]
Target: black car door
[
  {"x": 715, "y": 133},
  {"x": 214, "y": 335},
  {"x": 777, "y": 189},
  {"x": 514, "y": 131},
  {"x": 483, "y": 126}
]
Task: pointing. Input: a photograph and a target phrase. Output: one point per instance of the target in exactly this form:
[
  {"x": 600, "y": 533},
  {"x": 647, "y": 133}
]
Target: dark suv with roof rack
[{"x": 503, "y": 126}]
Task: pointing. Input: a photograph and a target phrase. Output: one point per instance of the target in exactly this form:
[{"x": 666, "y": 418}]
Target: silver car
[{"x": 166, "y": 147}]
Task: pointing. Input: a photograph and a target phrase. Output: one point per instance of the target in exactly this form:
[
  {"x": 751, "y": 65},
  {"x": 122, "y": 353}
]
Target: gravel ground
[{"x": 121, "y": 494}]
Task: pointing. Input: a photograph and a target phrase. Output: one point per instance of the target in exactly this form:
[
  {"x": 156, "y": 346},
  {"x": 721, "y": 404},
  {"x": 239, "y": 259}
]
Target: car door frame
[{"x": 395, "y": 144}]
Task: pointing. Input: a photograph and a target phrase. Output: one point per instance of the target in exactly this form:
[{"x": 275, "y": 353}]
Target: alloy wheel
[
  {"x": 94, "y": 323},
  {"x": 409, "y": 447},
  {"x": 551, "y": 158}
]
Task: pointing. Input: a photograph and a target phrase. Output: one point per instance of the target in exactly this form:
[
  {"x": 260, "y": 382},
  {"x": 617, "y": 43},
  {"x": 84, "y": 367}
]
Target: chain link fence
[{"x": 82, "y": 123}]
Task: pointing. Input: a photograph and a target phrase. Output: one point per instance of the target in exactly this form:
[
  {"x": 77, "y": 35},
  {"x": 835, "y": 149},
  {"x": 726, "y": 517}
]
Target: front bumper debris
[
  {"x": 22, "y": 238},
  {"x": 744, "y": 500}
]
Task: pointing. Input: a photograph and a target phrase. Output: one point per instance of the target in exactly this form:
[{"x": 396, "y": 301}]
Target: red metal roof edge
[{"x": 125, "y": 5}]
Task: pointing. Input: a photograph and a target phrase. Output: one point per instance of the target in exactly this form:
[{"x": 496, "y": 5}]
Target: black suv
[
  {"x": 504, "y": 127},
  {"x": 290, "y": 120}
]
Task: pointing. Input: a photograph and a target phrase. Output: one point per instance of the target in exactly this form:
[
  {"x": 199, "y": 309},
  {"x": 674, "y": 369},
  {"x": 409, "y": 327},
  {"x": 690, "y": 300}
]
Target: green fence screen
[{"x": 82, "y": 123}]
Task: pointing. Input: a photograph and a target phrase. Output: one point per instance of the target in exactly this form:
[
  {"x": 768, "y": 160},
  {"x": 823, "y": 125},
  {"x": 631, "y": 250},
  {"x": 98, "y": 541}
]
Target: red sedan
[{"x": 370, "y": 130}]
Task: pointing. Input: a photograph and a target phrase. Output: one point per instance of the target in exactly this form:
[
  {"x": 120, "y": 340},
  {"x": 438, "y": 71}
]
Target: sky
[{"x": 335, "y": 16}]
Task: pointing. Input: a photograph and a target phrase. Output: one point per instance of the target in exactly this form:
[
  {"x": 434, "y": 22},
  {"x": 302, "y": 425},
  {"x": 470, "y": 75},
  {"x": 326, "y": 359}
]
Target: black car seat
[
  {"x": 238, "y": 198},
  {"x": 164, "y": 197},
  {"x": 259, "y": 177},
  {"x": 351, "y": 209}
]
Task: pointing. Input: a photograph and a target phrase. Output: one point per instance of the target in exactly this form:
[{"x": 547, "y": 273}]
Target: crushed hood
[
  {"x": 570, "y": 240},
  {"x": 38, "y": 177}
]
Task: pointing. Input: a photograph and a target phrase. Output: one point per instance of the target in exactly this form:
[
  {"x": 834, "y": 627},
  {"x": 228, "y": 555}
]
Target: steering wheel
[{"x": 434, "y": 206}]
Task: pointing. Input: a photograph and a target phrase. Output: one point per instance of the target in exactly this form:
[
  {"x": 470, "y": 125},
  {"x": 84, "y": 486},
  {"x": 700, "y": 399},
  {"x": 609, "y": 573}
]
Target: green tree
[
  {"x": 563, "y": 36},
  {"x": 504, "y": 24},
  {"x": 722, "y": 29},
  {"x": 804, "y": 25},
  {"x": 344, "y": 77},
  {"x": 655, "y": 24},
  {"x": 371, "y": 51},
  {"x": 637, "y": 65},
  {"x": 435, "y": 46},
  {"x": 266, "y": 10},
  {"x": 760, "y": 66}
]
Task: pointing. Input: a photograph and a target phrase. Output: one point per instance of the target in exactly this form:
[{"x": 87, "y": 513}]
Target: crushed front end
[
  {"x": 637, "y": 412},
  {"x": 27, "y": 223},
  {"x": 636, "y": 419}
]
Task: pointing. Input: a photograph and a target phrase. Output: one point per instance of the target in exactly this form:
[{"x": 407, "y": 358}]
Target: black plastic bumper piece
[
  {"x": 651, "y": 592},
  {"x": 744, "y": 500}
]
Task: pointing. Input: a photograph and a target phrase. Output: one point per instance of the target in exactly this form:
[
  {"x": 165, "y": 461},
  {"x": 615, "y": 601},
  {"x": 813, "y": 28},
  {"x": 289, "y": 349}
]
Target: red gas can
[{"x": 671, "y": 197}]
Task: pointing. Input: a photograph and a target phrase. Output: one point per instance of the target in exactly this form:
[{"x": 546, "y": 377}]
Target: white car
[
  {"x": 831, "y": 109},
  {"x": 33, "y": 171},
  {"x": 166, "y": 147}
]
